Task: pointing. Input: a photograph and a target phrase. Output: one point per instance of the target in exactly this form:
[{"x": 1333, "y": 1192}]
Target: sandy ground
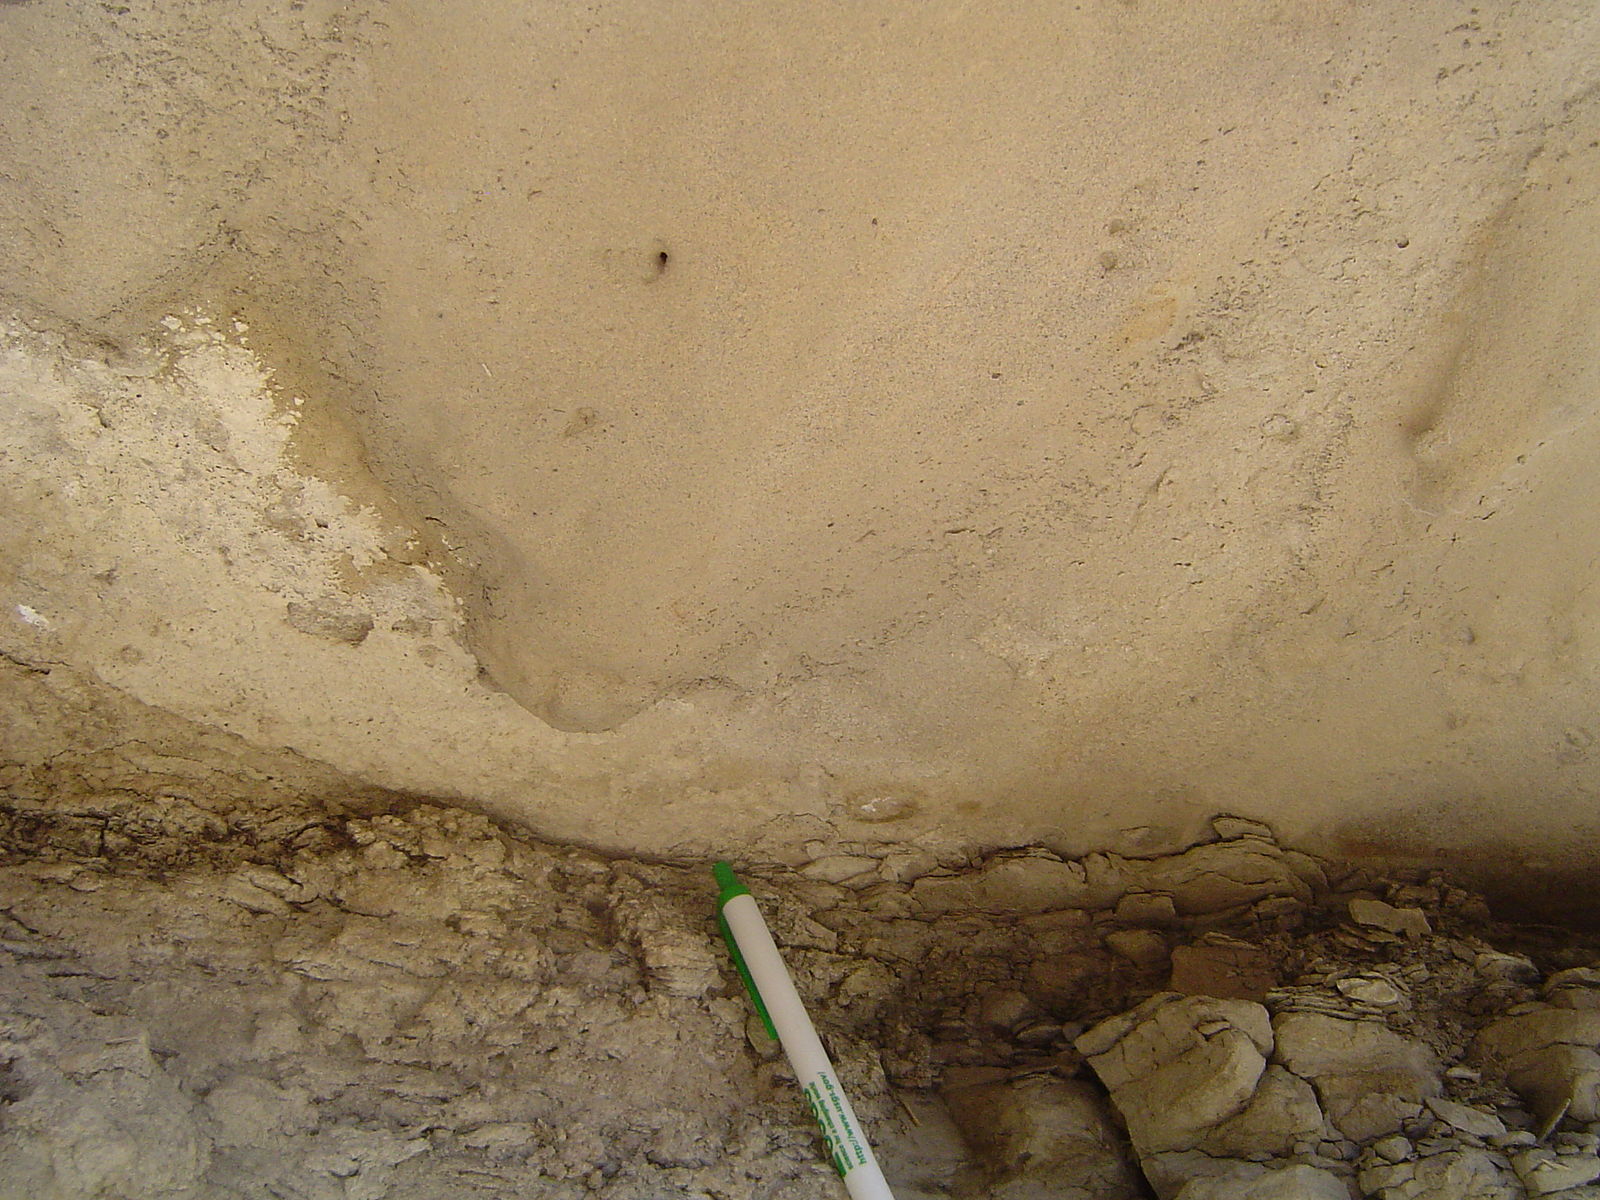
[{"x": 670, "y": 429}]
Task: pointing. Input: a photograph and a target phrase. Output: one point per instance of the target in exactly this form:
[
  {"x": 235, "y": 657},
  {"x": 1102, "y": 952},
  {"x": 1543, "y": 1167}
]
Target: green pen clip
[{"x": 729, "y": 886}]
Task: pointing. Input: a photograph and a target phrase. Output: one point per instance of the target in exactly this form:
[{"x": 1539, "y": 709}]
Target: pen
[{"x": 781, "y": 1009}]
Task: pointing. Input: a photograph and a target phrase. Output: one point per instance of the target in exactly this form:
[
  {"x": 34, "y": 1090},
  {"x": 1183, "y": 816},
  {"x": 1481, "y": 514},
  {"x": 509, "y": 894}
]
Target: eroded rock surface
[{"x": 417, "y": 1004}]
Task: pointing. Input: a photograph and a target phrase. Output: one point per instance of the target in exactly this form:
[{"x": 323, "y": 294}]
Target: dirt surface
[{"x": 678, "y": 430}]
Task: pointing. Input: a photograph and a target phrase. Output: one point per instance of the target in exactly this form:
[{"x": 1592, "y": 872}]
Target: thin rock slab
[
  {"x": 1544, "y": 1172},
  {"x": 1375, "y": 914},
  {"x": 1466, "y": 1119}
]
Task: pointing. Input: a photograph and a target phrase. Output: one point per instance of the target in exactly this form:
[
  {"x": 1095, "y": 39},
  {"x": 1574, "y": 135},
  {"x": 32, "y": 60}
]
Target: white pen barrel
[{"x": 847, "y": 1142}]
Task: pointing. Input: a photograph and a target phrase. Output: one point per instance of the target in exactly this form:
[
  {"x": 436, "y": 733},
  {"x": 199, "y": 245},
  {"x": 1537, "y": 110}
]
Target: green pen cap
[{"x": 728, "y": 886}]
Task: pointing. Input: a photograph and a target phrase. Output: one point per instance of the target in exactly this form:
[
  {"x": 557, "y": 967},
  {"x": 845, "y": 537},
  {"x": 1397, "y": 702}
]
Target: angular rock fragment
[
  {"x": 1146, "y": 908},
  {"x": 1282, "y": 1114},
  {"x": 331, "y": 620},
  {"x": 1465, "y": 1119},
  {"x": 836, "y": 868},
  {"x": 1578, "y": 987},
  {"x": 1229, "y": 828},
  {"x": 1372, "y": 990},
  {"x": 1409, "y": 922},
  {"x": 1499, "y": 967}
]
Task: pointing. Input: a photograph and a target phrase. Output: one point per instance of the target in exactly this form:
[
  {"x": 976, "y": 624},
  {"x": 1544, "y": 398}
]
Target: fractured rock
[
  {"x": 88, "y": 1111},
  {"x": 1142, "y": 947},
  {"x": 1549, "y": 1057},
  {"x": 677, "y": 955},
  {"x": 1220, "y": 876},
  {"x": 1463, "y": 1174},
  {"x": 1370, "y": 1079},
  {"x": 1042, "y": 1139},
  {"x": 1178, "y": 1065},
  {"x": 1282, "y": 1113}
]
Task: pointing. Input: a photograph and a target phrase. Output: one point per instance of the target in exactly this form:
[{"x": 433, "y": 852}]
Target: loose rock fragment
[
  {"x": 1410, "y": 922},
  {"x": 1578, "y": 987},
  {"x": 1372, "y": 990},
  {"x": 1467, "y": 1120},
  {"x": 1543, "y": 1171}
]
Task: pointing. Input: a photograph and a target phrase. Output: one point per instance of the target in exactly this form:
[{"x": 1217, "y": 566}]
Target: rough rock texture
[
  {"x": 1040, "y": 1138},
  {"x": 419, "y": 1005},
  {"x": 941, "y": 426}
]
